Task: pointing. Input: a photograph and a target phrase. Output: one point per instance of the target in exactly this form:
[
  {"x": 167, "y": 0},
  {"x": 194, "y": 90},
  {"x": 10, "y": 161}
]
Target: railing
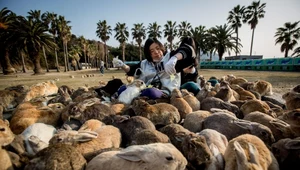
[{"x": 270, "y": 64}]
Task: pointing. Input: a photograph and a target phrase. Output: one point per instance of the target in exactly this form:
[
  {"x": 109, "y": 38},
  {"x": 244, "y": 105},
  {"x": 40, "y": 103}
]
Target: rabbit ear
[
  {"x": 6, "y": 122},
  {"x": 84, "y": 136},
  {"x": 240, "y": 152},
  {"x": 180, "y": 136},
  {"x": 252, "y": 153},
  {"x": 216, "y": 153},
  {"x": 90, "y": 102},
  {"x": 132, "y": 156},
  {"x": 60, "y": 91},
  {"x": 279, "y": 124},
  {"x": 66, "y": 127},
  {"x": 135, "y": 153},
  {"x": 293, "y": 144},
  {"x": 65, "y": 91},
  {"x": 122, "y": 118},
  {"x": 243, "y": 124}
]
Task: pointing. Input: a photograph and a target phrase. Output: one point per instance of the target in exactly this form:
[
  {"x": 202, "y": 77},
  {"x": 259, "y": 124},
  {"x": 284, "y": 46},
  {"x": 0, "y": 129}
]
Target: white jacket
[{"x": 150, "y": 69}]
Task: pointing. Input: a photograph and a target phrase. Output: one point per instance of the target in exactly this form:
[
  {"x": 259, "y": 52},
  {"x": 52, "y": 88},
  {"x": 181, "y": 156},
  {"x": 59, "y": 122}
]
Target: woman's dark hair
[
  {"x": 188, "y": 59},
  {"x": 147, "y": 45},
  {"x": 189, "y": 41}
]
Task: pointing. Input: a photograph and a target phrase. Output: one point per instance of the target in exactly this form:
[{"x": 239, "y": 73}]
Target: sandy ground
[{"x": 281, "y": 81}]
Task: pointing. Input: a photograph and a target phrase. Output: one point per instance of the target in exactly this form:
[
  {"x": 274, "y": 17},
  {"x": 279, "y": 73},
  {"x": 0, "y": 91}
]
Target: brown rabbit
[
  {"x": 257, "y": 105},
  {"x": 225, "y": 93},
  {"x": 263, "y": 87},
  {"x": 191, "y": 99},
  {"x": 158, "y": 114},
  {"x": 6, "y": 137},
  {"x": 25, "y": 117},
  {"x": 243, "y": 94},
  {"x": 182, "y": 105},
  {"x": 236, "y": 80},
  {"x": 292, "y": 100},
  {"x": 296, "y": 88},
  {"x": 63, "y": 97}
]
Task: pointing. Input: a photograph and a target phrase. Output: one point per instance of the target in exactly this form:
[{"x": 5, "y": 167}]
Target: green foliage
[
  {"x": 154, "y": 30},
  {"x": 131, "y": 53},
  {"x": 287, "y": 36},
  {"x": 223, "y": 39}
]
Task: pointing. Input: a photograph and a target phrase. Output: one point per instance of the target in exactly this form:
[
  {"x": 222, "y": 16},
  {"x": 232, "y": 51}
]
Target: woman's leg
[
  {"x": 152, "y": 93},
  {"x": 191, "y": 87}
]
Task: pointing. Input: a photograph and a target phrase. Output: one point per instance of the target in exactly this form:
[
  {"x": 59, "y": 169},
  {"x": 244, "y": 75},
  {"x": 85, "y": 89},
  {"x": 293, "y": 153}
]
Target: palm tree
[
  {"x": 184, "y": 29},
  {"x": 74, "y": 55},
  {"x": 199, "y": 34},
  {"x": 103, "y": 31},
  {"x": 83, "y": 43},
  {"x": 35, "y": 16},
  {"x": 34, "y": 36},
  {"x": 170, "y": 32},
  {"x": 51, "y": 19},
  {"x": 23, "y": 62},
  {"x": 91, "y": 52},
  {"x": 252, "y": 14},
  {"x": 209, "y": 44},
  {"x": 100, "y": 51},
  {"x": 154, "y": 30},
  {"x": 122, "y": 36},
  {"x": 287, "y": 36},
  {"x": 64, "y": 31},
  {"x": 223, "y": 39},
  {"x": 235, "y": 20},
  {"x": 139, "y": 34},
  {"x": 296, "y": 52},
  {"x": 7, "y": 18}
]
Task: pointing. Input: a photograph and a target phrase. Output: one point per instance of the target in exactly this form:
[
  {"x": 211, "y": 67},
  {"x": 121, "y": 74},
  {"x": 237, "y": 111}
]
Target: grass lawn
[{"x": 281, "y": 81}]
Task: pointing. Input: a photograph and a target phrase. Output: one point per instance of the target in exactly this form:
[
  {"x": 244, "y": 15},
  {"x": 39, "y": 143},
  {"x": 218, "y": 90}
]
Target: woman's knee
[
  {"x": 191, "y": 87},
  {"x": 152, "y": 93}
]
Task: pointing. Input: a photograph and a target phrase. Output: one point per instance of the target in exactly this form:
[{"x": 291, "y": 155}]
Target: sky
[{"x": 85, "y": 14}]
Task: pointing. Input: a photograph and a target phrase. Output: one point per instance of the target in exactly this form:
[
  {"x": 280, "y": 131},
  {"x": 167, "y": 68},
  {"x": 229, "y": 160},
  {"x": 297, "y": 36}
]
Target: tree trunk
[
  {"x": 47, "y": 68},
  {"x": 84, "y": 52},
  {"x": 140, "y": 51},
  {"x": 23, "y": 63},
  {"x": 65, "y": 57},
  {"x": 105, "y": 53},
  {"x": 123, "y": 51},
  {"x": 286, "y": 52},
  {"x": 237, "y": 42},
  {"x": 78, "y": 65},
  {"x": 37, "y": 63},
  {"x": 220, "y": 56},
  {"x": 252, "y": 42},
  {"x": 199, "y": 59},
  {"x": 7, "y": 67},
  {"x": 57, "y": 66},
  {"x": 88, "y": 62}
]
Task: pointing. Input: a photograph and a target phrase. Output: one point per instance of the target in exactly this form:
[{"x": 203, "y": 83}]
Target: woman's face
[{"x": 156, "y": 52}]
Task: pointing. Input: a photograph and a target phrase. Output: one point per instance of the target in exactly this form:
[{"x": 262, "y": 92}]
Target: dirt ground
[{"x": 281, "y": 81}]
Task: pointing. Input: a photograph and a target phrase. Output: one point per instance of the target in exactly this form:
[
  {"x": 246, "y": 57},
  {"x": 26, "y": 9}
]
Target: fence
[{"x": 270, "y": 64}]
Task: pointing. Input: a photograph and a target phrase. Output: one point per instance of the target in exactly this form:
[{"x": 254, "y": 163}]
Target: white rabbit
[{"x": 132, "y": 90}]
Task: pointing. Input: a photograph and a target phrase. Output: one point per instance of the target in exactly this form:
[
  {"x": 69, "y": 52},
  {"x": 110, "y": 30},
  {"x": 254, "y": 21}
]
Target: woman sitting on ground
[{"x": 160, "y": 70}]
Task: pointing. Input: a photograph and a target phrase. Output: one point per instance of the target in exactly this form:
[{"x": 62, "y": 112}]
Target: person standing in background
[{"x": 101, "y": 67}]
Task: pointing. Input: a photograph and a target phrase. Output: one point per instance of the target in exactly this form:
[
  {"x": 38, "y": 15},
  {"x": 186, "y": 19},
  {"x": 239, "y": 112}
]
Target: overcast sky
[{"x": 84, "y": 15}]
